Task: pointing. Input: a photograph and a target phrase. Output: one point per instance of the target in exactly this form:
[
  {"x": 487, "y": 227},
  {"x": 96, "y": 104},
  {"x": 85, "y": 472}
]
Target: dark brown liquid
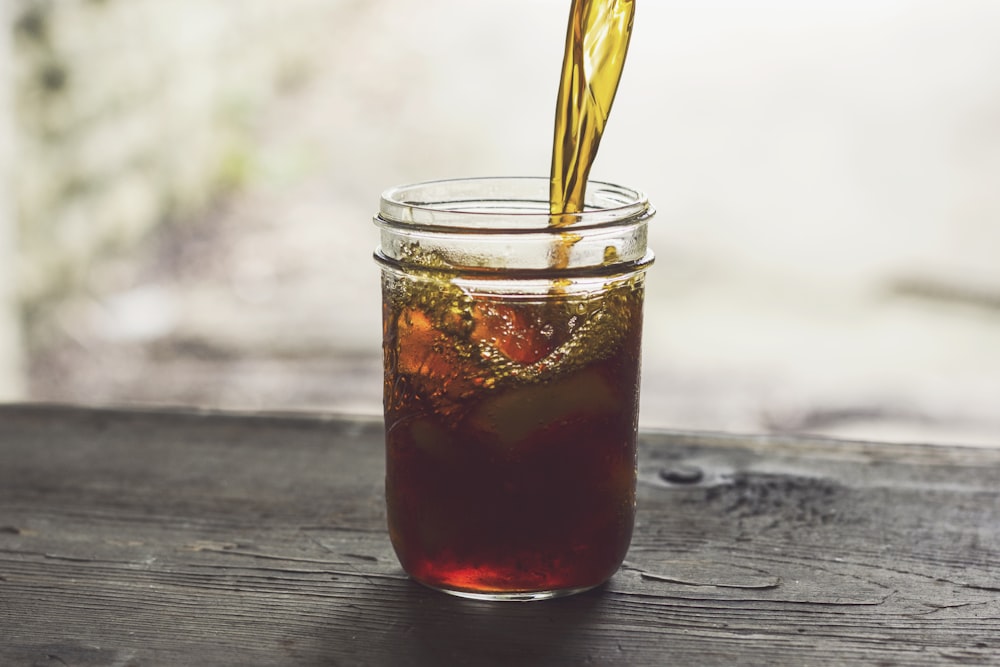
[{"x": 510, "y": 438}]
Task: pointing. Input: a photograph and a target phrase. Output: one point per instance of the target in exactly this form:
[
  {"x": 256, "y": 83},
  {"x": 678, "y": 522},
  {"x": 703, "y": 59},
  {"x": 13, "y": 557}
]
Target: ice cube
[
  {"x": 438, "y": 368},
  {"x": 519, "y": 334},
  {"x": 514, "y": 414}
]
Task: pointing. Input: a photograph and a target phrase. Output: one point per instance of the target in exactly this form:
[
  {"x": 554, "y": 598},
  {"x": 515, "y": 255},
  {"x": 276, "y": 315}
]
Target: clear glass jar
[{"x": 511, "y": 340}]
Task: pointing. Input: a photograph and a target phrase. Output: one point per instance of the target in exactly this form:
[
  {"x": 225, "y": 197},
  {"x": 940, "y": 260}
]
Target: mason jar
[{"x": 511, "y": 340}]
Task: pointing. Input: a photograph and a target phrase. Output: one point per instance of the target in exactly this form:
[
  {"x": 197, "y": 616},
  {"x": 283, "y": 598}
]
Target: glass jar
[{"x": 511, "y": 341}]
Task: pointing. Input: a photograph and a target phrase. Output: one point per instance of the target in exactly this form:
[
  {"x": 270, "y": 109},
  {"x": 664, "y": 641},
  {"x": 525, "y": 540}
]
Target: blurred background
[{"x": 187, "y": 191}]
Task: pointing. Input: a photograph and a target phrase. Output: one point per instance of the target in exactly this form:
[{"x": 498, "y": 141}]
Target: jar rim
[{"x": 505, "y": 205}]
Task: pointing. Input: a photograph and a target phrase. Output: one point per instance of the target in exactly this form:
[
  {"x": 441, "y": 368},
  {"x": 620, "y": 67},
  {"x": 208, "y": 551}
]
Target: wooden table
[{"x": 184, "y": 538}]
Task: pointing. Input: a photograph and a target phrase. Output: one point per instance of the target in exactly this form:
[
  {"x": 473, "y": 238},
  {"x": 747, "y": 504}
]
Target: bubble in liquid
[{"x": 454, "y": 343}]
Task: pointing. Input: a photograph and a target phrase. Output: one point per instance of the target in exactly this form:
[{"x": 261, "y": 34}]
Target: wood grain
[{"x": 148, "y": 538}]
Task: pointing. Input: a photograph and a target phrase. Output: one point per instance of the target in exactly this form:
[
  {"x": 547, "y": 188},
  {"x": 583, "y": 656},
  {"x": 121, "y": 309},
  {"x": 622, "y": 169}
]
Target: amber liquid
[
  {"x": 597, "y": 40},
  {"x": 511, "y": 437},
  {"x": 511, "y": 423}
]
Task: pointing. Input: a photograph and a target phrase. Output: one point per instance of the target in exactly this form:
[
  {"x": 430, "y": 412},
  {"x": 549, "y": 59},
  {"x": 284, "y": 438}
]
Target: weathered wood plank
[{"x": 137, "y": 538}]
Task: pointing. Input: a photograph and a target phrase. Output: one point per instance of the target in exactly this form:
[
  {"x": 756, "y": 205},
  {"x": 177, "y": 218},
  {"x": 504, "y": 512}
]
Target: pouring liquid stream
[{"x": 597, "y": 40}]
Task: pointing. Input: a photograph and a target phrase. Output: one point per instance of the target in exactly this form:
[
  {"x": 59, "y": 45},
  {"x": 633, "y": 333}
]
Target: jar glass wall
[{"x": 511, "y": 342}]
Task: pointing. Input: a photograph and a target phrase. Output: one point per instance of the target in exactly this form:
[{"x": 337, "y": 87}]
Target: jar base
[{"x": 510, "y": 596}]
